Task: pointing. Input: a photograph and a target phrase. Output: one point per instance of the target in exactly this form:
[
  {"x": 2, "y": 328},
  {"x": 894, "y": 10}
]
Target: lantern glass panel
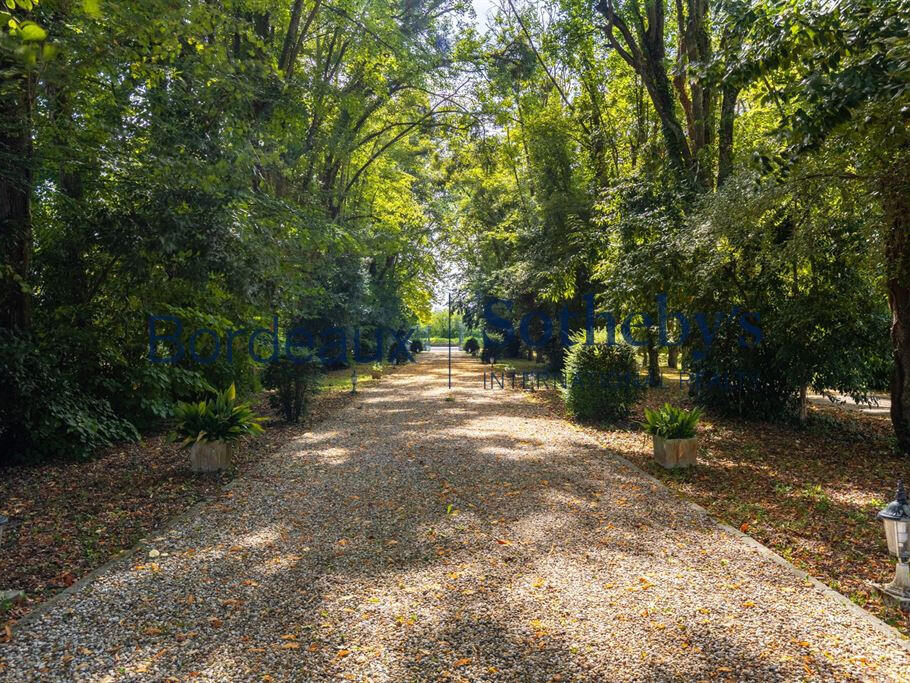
[{"x": 897, "y": 531}]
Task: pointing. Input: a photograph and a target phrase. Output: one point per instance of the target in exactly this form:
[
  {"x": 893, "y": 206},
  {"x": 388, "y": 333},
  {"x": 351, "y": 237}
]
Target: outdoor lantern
[{"x": 896, "y": 517}]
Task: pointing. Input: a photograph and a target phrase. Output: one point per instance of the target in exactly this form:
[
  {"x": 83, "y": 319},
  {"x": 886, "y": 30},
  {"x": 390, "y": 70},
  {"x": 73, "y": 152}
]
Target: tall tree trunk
[
  {"x": 895, "y": 185},
  {"x": 15, "y": 196},
  {"x": 646, "y": 54},
  {"x": 654, "y": 379},
  {"x": 725, "y": 134},
  {"x": 673, "y": 356}
]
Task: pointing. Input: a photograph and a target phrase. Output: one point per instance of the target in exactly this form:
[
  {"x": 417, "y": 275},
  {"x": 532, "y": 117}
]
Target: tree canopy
[{"x": 227, "y": 161}]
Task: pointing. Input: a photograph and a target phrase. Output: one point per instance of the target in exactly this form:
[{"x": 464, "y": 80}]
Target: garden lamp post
[{"x": 896, "y": 517}]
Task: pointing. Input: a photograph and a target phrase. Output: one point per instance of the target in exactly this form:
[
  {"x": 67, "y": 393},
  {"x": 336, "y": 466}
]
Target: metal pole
[{"x": 450, "y": 340}]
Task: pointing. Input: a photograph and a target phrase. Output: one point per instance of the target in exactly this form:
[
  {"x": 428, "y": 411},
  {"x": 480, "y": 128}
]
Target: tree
[{"x": 848, "y": 65}]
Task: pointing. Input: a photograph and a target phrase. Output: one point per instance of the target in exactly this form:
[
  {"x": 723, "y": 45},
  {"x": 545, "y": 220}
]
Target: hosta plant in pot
[
  {"x": 673, "y": 432},
  {"x": 376, "y": 372},
  {"x": 210, "y": 428}
]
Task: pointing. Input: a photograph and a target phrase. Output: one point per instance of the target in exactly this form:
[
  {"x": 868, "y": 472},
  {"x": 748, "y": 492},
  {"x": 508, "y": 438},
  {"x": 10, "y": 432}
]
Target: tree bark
[
  {"x": 654, "y": 379},
  {"x": 895, "y": 185},
  {"x": 646, "y": 54},
  {"x": 673, "y": 357},
  {"x": 15, "y": 196},
  {"x": 725, "y": 134}
]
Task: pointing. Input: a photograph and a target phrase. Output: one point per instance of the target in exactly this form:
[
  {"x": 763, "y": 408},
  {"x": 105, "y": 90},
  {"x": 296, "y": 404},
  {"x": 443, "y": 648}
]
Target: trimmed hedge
[{"x": 602, "y": 382}]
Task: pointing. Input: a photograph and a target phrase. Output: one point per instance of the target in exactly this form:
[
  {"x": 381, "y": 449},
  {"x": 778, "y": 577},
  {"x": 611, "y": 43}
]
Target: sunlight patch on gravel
[{"x": 413, "y": 538}]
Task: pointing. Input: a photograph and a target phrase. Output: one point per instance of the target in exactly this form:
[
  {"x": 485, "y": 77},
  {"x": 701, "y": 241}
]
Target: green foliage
[
  {"x": 755, "y": 382},
  {"x": 824, "y": 321},
  {"x": 602, "y": 382},
  {"x": 487, "y": 354},
  {"x": 471, "y": 346},
  {"x": 671, "y": 422},
  {"x": 220, "y": 418},
  {"x": 416, "y": 346},
  {"x": 294, "y": 380},
  {"x": 398, "y": 354},
  {"x": 439, "y": 324},
  {"x": 43, "y": 412},
  {"x": 217, "y": 163}
]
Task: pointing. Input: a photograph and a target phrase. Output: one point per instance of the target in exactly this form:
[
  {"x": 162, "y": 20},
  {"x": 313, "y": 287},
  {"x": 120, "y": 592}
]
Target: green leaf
[
  {"x": 92, "y": 8},
  {"x": 30, "y": 32}
]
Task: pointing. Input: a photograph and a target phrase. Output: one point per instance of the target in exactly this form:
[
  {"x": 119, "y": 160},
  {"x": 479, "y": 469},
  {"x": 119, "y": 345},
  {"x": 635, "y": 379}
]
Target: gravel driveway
[{"x": 408, "y": 537}]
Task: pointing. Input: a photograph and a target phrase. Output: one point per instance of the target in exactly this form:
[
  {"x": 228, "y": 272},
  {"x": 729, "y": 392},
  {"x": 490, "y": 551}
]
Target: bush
[
  {"x": 398, "y": 354},
  {"x": 500, "y": 348},
  {"x": 218, "y": 419},
  {"x": 602, "y": 381},
  {"x": 471, "y": 346},
  {"x": 295, "y": 381},
  {"x": 756, "y": 382},
  {"x": 443, "y": 341},
  {"x": 487, "y": 354},
  {"x": 416, "y": 346},
  {"x": 671, "y": 423},
  {"x": 44, "y": 413},
  {"x": 239, "y": 371}
]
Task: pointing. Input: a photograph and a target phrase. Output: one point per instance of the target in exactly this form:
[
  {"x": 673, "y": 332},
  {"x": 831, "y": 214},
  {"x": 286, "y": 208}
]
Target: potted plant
[
  {"x": 210, "y": 428},
  {"x": 673, "y": 432},
  {"x": 376, "y": 371}
]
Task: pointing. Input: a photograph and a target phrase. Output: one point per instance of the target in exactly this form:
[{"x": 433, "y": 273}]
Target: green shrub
[
  {"x": 218, "y": 419},
  {"x": 44, "y": 413},
  {"x": 443, "y": 341},
  {"x": 487, "y": 354},
  {"x": 471, "y": 346},
  {"x": 602, "y": 381},
  {"x": 755, "y": 382},
  {"x": 398, "y": 354},
  {"x": 295, "y": 380},
  {"x": 500, "y": 347},
  {"x": 416, "y": 346},
  {"x": 240, "y": 370},
  {"x": 671, "y": 422}
]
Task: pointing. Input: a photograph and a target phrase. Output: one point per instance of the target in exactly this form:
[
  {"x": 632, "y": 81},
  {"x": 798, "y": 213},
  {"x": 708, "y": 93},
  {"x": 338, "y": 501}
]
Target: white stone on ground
[{"x": 412, "y": 538}]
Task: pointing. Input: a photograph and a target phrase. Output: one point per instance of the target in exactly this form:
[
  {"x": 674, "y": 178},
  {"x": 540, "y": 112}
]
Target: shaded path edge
[
  {"x": 126, "y": 556},
  {"x": 759, "y": 548}
]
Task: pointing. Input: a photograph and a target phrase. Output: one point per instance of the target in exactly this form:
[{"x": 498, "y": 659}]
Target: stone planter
[
  {"x": 675, "y": 453},
  {"x": 210, "y": 457}
]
